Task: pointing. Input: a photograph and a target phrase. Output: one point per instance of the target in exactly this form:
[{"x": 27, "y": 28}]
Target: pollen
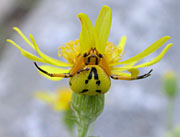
[
  {"x": 113, "y": 53},
  {"x": 70, "y": 51}
]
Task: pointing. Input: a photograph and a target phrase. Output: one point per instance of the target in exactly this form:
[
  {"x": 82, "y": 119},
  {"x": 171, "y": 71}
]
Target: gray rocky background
[{"x": 133, "y": 108}]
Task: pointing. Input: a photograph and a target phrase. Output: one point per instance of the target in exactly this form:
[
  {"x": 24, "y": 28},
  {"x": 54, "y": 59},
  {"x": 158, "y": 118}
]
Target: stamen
[
  {"x": 113, "y": 53},
  {"x": 70, "y": 50},
  {"x": 59, "y": 51}
]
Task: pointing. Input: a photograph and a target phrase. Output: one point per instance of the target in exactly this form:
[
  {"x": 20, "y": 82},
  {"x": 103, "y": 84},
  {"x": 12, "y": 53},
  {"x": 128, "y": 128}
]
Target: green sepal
[
  {"x": 86, "y": 109},
  {"x": 69, "y": 121}
]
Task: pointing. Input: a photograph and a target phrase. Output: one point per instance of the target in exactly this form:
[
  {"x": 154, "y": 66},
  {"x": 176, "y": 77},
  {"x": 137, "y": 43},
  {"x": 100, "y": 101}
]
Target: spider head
[{"x": 92, "y": 57}]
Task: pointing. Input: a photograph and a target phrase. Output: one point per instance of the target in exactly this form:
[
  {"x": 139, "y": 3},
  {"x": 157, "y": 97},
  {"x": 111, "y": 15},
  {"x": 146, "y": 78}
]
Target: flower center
[{"x": 71, "y": 50}]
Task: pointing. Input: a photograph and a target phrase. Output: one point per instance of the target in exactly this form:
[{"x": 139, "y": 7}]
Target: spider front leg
[
  {"x": 84, "y": 69},
  {"x": 64, "y": 75},
  {"x": 145, "y": 75},
  {"x": 118, "y": 77}
]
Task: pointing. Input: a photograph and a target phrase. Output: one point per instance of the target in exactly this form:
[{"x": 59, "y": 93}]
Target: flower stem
[
  {"x": 170, "y": 114},
  {"x": 82, "y": 130}
]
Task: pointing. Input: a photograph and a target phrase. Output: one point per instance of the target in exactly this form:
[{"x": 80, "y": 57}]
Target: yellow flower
[
  {"x": 93, "y": 56},
  {"x": 59, "y": 101}
]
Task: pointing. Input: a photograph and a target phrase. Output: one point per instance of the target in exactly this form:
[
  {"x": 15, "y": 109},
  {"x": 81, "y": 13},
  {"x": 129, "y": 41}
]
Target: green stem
[
  {"x": 170, "y": 114},
  {"x": 82, "y": 130}
]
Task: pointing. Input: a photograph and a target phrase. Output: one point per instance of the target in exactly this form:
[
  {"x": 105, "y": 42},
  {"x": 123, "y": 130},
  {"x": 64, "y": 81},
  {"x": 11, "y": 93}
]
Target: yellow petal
[
  {"x": 102, "y": 28},
  {"x": 60, "y": 101},
  {"x": 48, "y": 59},
  {"x": 63, "y": 101},
  {"x": 116, "y": 72},
  {"x": 134, "y": 72},
  {"x": 125, "y": 67},
  {"x": 122, "y": 42},
  {"x": 51, "y": 69},
  {"x": 156, "y": 59},
  {"x": 119, "y": 69},
  {"x": 46, "y": 97},
  {"x": 26, "y": 53},
  {"x": 86, "y": 35},
  {"x": 152, "y": 62},
  {"x": 23, "y": 36},
  {"x": 146, "y": 52}
]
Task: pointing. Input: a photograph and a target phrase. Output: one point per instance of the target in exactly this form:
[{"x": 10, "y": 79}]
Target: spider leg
[
  {"x": 84, "y": 69},
  {"x": 145, "y": 75},
  {"x": 118, "y": 77},
  {"x": 64, "y": 75}
]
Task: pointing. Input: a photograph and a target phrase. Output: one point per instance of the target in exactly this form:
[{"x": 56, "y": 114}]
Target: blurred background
[{"x": 133, "y": 108}]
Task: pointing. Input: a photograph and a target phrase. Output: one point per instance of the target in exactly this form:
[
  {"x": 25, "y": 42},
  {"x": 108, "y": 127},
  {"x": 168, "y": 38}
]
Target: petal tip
[
  {"x": 31, "y": 36},
  {"x": 15, "y": 28},
  {"x": 124, "y": 36},
  {"x": 81, "y": 15},
  {"x": 106, "y": 7},
  {"x": 167, "y": 37},
  {"x": 106, "y": 10},
  {"x": 170, "y": 44},
  {"x": 8, "y": 40}
]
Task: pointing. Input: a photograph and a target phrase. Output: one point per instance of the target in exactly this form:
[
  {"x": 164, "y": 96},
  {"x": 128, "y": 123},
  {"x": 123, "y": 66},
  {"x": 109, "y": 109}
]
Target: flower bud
[{"x": 170, "y": 84}]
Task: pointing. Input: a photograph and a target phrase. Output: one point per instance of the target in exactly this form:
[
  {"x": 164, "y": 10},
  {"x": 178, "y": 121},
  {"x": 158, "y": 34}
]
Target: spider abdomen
[{"x": 91, "y": 81}]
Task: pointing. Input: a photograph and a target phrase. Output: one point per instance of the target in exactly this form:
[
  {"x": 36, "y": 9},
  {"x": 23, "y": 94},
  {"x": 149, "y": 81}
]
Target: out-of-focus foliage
[
  {"x": 174, "y": 133},
  {"x": 171, "y": 90}
]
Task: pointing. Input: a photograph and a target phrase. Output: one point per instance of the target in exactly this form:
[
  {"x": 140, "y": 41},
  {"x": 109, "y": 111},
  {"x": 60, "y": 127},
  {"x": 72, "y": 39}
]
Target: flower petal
[
  {"x": 134, "y": 72},
  {"x": 102, "y": 28},
  {"x": 86, "y": 35},
  {"x": 146, "y": 52},
  {"x": 125, "y": 67},
  {"x": 156, "y": 59},
  {"x": 122, "y": 42},
  {"x": 48, "y": 59},
  {"x": 47, "y": 97},
  {"x": 63, "y": 100},
  {"x": 26, "y": 53},
  {"x": 51, "y": 69},
  {"x": 23, "y": 36},
  {"x": 147, "y": 64},
  {"x": 116, "y": 72}
]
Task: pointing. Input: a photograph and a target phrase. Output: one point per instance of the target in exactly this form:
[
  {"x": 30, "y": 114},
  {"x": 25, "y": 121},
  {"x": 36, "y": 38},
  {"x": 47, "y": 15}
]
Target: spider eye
[
  {"x": 100, "y": 55},
  {"x": 85, "y": 55}
]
